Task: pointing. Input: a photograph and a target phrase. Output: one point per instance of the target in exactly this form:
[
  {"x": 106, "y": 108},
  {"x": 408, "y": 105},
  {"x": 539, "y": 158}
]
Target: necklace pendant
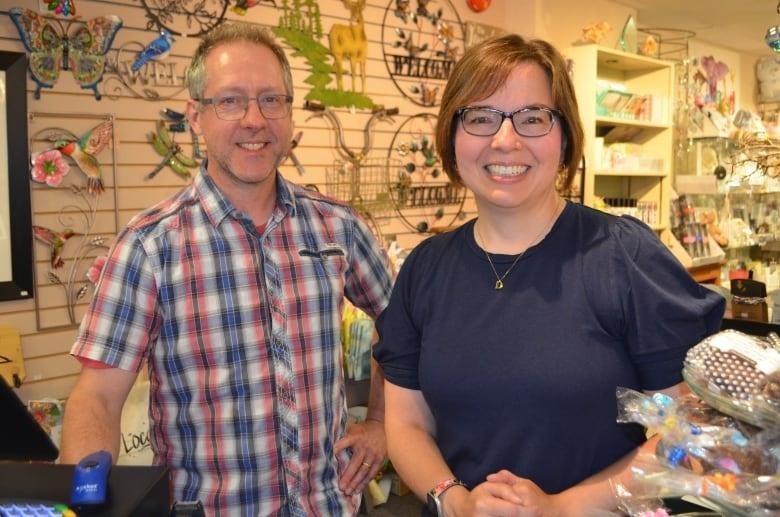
[{"x": 499, "y": 285}]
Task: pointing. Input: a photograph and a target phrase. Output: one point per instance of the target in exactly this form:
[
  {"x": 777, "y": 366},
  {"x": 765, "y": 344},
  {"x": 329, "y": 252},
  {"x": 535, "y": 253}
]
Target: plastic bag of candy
[
  {"x": 699, "y": 445},
  {"x": 731, "y": 494}
]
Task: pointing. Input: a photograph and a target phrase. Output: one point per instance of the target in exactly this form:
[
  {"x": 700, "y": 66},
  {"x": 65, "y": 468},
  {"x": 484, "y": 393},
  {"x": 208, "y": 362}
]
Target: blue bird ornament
[{"x": 158, "y": 49}]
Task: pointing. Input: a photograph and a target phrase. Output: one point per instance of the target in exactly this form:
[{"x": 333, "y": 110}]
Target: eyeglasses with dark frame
[
  {"x": 234, "y": 107},
  {"x": 531, "y": 121}
]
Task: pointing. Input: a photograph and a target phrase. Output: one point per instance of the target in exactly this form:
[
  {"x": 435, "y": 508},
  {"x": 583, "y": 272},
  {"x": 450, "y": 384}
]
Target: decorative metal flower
[{"x": 49, "y": 167}]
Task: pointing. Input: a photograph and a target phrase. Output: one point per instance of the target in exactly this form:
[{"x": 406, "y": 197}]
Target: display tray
[{"x": 756, "y": 412}]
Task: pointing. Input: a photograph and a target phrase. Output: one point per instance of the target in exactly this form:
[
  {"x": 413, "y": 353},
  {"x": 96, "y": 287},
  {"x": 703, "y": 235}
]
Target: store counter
[{"x": 140, "y": 491}]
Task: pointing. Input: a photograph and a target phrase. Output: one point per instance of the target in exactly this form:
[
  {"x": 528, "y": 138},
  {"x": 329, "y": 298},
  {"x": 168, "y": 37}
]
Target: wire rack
[{"x": 364, "y": 184}]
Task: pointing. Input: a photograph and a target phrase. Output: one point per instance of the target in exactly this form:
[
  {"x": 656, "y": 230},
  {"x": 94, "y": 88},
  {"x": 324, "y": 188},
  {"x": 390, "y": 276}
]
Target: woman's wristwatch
[{"x": 434, "y": 496}]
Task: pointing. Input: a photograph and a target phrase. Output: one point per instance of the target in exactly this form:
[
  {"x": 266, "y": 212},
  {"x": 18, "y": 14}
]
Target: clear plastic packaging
[
  {"x": 737, "y": 374},
  {"x": 703, "y": 452}
]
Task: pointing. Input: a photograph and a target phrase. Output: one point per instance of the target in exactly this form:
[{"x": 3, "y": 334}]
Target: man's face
[{"x": 245, "y": 152}]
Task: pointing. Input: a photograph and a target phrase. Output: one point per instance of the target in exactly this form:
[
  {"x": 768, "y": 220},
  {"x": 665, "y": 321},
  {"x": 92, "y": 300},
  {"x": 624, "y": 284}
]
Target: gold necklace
[{"x": 500, "y": 279}]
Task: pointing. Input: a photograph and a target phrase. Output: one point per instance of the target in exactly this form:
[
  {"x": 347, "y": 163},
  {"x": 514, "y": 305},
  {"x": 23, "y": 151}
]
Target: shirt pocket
[{"x": 330, "y": 259}]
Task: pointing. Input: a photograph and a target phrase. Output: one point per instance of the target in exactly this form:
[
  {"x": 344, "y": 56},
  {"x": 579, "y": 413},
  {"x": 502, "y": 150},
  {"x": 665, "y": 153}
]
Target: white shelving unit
[{"x": 649, "y": 180}]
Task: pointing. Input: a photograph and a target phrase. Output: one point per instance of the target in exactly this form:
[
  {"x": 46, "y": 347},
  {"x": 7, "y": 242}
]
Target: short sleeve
[
  {"x": 665, "y": 311},
  {"x": 121, "y": 321},
  {"x": 398, "y": 349},
  {"x": 370, "y": 278}
]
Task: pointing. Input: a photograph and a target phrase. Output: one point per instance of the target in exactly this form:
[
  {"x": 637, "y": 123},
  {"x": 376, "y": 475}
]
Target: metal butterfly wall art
[{"x": 76, "y": 46}]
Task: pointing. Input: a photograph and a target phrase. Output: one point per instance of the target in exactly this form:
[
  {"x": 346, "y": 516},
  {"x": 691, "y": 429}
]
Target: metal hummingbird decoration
[
  {"x": 75, "y": 228},
  {"x": 83, "y": 152},
  {"x": 55, "y": 240}
]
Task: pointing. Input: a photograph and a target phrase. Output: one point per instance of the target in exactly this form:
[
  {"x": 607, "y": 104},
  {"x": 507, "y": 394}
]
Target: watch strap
[{"x": 434, "y": 504}]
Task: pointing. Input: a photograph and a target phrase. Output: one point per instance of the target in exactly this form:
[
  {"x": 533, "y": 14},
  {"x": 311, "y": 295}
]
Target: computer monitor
[{"x": 21, "y": 436}]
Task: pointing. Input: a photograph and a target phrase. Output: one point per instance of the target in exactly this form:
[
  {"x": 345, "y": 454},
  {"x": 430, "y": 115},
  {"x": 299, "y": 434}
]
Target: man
[{"x": 232, "y": 292}]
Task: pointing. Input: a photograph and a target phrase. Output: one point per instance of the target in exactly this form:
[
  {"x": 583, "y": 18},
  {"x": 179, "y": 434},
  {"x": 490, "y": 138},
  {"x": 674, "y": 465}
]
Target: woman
[{"x": 505, "y": 339}]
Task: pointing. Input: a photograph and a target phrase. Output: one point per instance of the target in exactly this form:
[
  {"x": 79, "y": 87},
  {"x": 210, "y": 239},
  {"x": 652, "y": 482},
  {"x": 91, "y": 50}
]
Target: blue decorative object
[
  {"x": 159, "y": 48},
  {"x": 772, "y": 38}
]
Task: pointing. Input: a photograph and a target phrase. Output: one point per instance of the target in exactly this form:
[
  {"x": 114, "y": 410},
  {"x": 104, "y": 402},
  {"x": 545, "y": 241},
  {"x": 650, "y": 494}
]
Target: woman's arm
[
  {"x": 596, "y": 492},
  {"x": 410, "y": 429}
]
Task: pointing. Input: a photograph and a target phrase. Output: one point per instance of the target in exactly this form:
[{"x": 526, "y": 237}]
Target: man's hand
[{"x": 369, "y": 450}]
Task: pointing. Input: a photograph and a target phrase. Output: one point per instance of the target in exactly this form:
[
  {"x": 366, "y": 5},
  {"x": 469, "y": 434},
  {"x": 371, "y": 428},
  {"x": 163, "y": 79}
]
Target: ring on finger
[{"x": 367, "y": 464}]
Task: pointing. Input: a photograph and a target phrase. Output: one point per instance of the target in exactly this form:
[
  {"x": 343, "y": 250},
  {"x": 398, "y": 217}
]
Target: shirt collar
[{"x": 218, "y": 207}]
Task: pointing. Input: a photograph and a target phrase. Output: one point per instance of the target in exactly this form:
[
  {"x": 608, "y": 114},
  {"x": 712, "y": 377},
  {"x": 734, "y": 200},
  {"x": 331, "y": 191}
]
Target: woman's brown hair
[{"x": 483, "y": 69}]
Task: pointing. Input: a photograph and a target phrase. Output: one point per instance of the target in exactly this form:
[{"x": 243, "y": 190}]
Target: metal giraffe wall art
[{"x": 349, "y": 43}]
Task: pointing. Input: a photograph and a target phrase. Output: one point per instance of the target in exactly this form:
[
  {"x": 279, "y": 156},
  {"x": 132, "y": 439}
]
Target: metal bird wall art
[
  {"x": 157, "y": 49},
  {"x": 56, "y": 241},
  {"x": 83, "y": 152},
  {"x": 241, "y": 6}
]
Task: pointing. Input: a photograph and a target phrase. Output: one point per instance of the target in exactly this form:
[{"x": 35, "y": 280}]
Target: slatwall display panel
[{"x": 136, "y": 102}]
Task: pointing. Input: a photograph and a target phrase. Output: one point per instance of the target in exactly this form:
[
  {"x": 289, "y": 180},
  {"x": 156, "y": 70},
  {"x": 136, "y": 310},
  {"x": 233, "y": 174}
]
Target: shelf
[
  {"x": 627, "y": 122},
  {"x": 620, "y": 173},
  {"x": 647, "y": 141},
  {"x": 626, "y": 62}
]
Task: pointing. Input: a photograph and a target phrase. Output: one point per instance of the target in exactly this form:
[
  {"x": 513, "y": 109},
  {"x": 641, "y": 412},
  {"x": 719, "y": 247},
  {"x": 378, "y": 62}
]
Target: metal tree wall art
[
  {"x": 184, "y": 17},
  {"x": 755, "y": 154},
  {"x": 75, "y": 46},
  {"x": 69, "y": 174}
]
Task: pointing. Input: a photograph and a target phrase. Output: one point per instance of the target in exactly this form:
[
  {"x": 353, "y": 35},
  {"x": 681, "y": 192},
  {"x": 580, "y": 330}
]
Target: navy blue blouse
[{"x": 524, "y": 378}]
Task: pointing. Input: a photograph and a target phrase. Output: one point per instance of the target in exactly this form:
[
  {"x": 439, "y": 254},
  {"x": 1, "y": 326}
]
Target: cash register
[{"x": 28, "y": 475}]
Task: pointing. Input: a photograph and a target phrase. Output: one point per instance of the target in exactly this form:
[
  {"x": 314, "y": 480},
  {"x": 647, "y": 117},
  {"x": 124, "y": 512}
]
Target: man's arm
[{"x": 93, "y": 413}]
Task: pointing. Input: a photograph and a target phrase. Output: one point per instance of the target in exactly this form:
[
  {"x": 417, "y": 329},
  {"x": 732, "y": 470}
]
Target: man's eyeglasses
[
  {"x": 234, "y": 107},
  {"x": 531, "y": 121}
]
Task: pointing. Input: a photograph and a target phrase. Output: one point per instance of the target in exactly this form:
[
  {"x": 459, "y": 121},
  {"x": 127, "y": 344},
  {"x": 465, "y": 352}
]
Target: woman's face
[{"x": 506, "y": 169}]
